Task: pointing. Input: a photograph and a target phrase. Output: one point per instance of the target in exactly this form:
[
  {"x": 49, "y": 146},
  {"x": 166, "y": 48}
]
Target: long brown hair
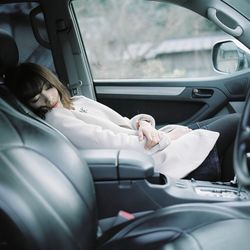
[{"x": 27, "y": 79}]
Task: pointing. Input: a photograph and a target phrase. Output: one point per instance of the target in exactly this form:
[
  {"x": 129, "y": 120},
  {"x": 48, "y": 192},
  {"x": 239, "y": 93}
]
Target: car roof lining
[
  {"x": 241, "y": 6},
  {"x": 18, "y": 1}
]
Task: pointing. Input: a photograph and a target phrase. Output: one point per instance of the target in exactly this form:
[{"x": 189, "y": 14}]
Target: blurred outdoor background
[{"x": 145, "y": 39}]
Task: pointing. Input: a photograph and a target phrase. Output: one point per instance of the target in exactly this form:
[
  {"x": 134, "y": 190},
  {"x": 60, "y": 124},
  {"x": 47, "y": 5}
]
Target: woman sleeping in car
[{"x": 202, "y": 150}]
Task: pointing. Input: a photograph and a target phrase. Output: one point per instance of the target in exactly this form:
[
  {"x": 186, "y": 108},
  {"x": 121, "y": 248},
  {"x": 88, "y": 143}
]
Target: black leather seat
[{"x": 47, "y": 199}]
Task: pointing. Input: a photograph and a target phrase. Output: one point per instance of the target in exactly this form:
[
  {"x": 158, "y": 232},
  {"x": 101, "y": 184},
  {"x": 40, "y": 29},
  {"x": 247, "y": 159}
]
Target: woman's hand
[
  {"x": 151, "y": 134},
  {"x": 178, "y": 132}
]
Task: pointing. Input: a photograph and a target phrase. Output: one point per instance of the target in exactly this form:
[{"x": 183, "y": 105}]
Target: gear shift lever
[{"x": 234, "y": 183}]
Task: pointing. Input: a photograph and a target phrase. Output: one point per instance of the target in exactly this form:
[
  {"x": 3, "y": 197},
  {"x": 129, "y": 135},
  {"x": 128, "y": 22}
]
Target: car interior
[{"x": 54, "y": 196}]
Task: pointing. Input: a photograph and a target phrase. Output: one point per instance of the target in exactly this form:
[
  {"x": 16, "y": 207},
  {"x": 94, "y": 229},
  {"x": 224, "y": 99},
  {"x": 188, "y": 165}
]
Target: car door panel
[{"x": 175, "y": 101}]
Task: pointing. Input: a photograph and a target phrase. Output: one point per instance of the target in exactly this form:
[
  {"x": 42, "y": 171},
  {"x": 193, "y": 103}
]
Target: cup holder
[{"x": 157, "y": 179}]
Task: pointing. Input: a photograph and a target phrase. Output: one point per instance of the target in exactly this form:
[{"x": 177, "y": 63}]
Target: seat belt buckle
[
  {"x": 74, "y": 87},
  {"x": 123, "y": 216},
  {"x": 126, "y": 215}
]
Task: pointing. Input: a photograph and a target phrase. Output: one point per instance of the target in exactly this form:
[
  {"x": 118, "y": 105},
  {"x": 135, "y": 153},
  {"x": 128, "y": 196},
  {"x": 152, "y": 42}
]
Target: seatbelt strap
[{"x": 74, "y": 84}]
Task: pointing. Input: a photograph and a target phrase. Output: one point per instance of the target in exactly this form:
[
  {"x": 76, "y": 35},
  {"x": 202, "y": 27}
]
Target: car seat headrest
[{"x": 9, "y": 55}]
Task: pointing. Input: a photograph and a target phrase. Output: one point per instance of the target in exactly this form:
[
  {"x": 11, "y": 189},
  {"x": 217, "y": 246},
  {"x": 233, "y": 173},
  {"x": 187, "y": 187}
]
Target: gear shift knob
[{"x": 234, "y": 182}]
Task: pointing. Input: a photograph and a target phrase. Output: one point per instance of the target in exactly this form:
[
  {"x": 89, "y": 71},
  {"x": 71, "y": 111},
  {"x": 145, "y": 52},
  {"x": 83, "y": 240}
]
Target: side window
[
  {"x": 138, "y": 39},
  {"x": 15, "y": 20}
]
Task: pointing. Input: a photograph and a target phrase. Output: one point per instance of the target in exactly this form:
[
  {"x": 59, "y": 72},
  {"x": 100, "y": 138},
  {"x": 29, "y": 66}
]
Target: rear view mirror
[{"x": 230, "y": 58}]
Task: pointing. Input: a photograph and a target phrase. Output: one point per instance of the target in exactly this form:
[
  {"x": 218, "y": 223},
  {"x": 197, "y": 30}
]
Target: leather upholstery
[
  {"x": 9, "y": 55},
  {"x": 49, "y": 197},
  {"x": 188, "y": 226}
]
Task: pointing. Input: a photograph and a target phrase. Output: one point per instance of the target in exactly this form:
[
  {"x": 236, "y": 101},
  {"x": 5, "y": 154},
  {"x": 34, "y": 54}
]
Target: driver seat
[{"x": 47, "y": 197}]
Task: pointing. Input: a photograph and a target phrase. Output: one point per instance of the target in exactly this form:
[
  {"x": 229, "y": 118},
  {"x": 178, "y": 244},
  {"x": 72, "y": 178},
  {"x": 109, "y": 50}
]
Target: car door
[{"x": 156, "y": 58}]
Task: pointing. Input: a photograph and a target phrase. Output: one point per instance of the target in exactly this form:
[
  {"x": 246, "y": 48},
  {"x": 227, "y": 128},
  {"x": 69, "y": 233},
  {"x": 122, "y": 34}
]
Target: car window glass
[{"x": 136, "y": 39}]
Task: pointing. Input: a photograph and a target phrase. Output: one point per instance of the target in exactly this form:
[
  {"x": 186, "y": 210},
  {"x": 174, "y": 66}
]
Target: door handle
[
  {"x": 202, "y": 93},
  {"x": 234, "y": 32}
]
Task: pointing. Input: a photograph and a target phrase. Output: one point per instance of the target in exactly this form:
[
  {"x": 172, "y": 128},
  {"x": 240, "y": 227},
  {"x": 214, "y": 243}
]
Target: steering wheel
[{"x": 240, "y": 148}]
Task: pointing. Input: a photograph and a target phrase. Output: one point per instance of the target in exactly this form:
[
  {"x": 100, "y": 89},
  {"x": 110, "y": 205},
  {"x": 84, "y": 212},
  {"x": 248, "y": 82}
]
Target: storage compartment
[
  {"x": 118, "y": 164},
  {"x": 125, "y": 180}
]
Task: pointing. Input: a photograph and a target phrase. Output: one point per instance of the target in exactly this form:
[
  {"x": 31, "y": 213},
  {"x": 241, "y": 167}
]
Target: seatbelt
[{"x": 74, "y": 84}]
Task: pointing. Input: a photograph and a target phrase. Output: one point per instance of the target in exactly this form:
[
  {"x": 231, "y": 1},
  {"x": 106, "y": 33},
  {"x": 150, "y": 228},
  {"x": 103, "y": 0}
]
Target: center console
[{"x": 125, "y": 180}]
